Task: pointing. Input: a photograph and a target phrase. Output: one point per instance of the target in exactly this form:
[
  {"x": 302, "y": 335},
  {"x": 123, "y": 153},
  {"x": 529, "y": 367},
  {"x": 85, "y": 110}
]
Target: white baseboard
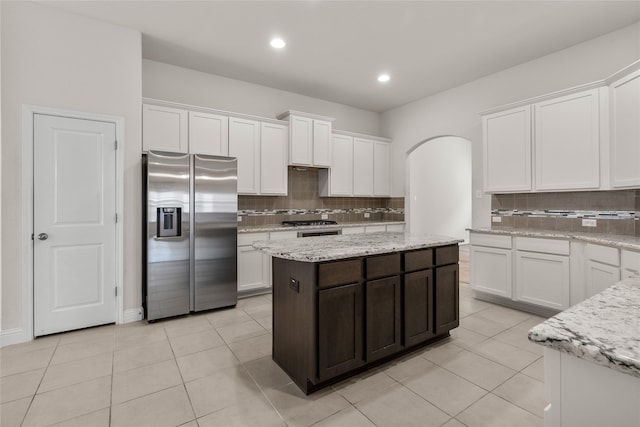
[
  {"x": 133, "y": 315},
  {"x": 12, "y": 336}
]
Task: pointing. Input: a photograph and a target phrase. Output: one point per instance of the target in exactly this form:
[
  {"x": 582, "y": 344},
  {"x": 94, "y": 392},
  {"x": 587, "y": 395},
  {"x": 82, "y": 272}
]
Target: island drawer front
[
  {"x": 383, "y": 265},
  {"x": 418, "y": 260},
  {"x": 339, "y": 273},
  {"x": 447, "y": 255}
]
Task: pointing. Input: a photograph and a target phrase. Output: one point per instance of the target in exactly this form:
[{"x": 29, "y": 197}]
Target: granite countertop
[
  {"x": 280, "y": 227},
  {"x": 604, "y": 329},
  {"x": 618, "y": 241},
  {"x": 325, "y": 248}
]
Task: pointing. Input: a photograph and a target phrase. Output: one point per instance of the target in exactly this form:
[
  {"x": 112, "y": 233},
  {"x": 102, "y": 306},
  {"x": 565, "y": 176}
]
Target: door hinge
[
  {"x": 115, "y": 144},
  {"x": 116, "y": 291},
  {"x": 116, "y": 217}
]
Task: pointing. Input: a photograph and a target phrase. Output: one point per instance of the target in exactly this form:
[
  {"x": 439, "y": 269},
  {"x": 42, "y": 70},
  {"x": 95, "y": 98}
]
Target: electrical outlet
[
  {"x": 367, "y": 215},
  {"x": 325, "y": 216},
  {"x": 589, "y": 222},
  {"x": 496, "y": 219},
  {"x": 239, "y": 218},
  {"x": 478, "y": 194}
]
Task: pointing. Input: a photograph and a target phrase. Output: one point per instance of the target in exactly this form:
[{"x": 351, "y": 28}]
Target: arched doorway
[{"x": 439, "y": 183}]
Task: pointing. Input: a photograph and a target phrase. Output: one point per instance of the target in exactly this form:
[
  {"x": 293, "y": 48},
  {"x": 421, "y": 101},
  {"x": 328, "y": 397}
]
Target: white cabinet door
[
  {"x": 273, "y": 159},
  {"x": 375, "y": 229},
  {"x": 507, "y": 150},
  {"x": 491, "y": 270},
  {"x": 244, "y": 143},
  {"x": 340, "y": 175},
  {"x": 301, "y": 143},
  {"x": 625, "y": 131},
  {"x": 600, "y": 276},
  {"x": 164, "y": 129},
  {"x": 208, "y": 134},
  {"x": 362, "y": 167},
  {"x": 253, "y": 269},
  {"x": 396, "y": 228},
  {"x": 567, "y": 142},
  {"x": 321, "y": 143},
  {"x": 381, "y": 169},
  {"x": 542, "y": 279}
]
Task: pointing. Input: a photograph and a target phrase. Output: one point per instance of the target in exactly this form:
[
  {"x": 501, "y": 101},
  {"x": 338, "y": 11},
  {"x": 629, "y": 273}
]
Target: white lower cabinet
[
  {"x": 491, "y": 270},
  {"x": 375, "y": 228},
  {"x": 599, "y": 277},
  {"x": 398, "y": 228},
  {"x": 254, "y": 269},
  {"x": 542, "y": 279},
  {"x": 491, "y": 264}
]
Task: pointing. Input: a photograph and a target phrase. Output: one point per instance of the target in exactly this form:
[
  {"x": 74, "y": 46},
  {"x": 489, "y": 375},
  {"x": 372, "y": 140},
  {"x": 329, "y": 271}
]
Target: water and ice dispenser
[{"x": 169, "y": 222}]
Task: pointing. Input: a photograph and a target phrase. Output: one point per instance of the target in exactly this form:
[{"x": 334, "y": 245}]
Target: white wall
[
  {"x": 177, "y": 84},
  {"x": 439, "y": 193},
  {"x": 455, "y": 111},
  {"x": 55, "y": 59}
]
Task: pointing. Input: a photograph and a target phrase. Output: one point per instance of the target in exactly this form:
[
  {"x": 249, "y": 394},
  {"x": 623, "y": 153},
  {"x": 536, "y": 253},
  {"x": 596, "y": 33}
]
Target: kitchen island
[
  {"x": 342, "y": 304},
  {"x": 592, "y": 360}
]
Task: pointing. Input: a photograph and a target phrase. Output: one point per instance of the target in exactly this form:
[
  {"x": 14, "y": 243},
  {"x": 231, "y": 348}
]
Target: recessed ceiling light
[
  {"x": 278, "y": 43},
  {"x": 383, "y": 78}
]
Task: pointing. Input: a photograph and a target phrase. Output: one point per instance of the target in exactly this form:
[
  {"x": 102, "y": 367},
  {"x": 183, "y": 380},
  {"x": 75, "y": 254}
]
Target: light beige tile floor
[{"x": 215, "y": 369}]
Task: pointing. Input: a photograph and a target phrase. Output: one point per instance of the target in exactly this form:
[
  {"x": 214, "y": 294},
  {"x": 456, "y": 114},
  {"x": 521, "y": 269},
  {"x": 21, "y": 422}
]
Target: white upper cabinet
[
  {"x": 164, "y": 129},
  {"x": 362, "y": 167},
  {"x": 567, "y": 142},
  {"x": 507, "y": 150},
  {"x": 301, "y": 150},
  {"x": 244, "y": 143},
  {"x": 309, "y": 139},
  {"x": 338, "y": 180},
  {"x": 321, "y": 143},
  {"x": 382, "y": 169},
  {"x": 208, "y": 134},
  {"x": 625, "y": 131},
  {"x": 273, "y": 159}
]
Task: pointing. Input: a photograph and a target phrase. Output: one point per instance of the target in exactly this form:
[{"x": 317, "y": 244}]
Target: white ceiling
[{"x": 336, "y": 49}]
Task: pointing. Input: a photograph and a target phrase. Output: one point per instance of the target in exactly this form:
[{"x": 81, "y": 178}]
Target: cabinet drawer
[
  {"x": 447, "y": 255},
  {"x": 492, "y": 240},
  {"x": 281, "y": 235},
  {"x": 383, "y": 265},
  {"x": 418, "y": 260},
  {"x": 631, "y": 260},
  {"x": 339, "y": 273},
  {"x": 548, "y": 246},
  {"x": 603, "y": 254},
  {"x": 247, "y": 239}
]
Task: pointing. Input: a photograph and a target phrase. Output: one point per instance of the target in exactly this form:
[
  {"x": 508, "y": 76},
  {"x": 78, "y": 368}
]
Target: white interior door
[{"x": 74, "y": 223}]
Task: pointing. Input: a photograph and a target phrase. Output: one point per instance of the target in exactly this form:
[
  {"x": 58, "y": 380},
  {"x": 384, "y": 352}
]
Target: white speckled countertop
[
  {"x": 618, "y": 241},
  {"x": 604, "y": 329},
  {"x": 279, "y": 227},
  {"x": 325, "y": 248}
]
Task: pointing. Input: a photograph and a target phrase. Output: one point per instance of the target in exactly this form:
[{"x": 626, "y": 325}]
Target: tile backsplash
[
  {"x": 615, "y": 212},
  {"x": 304, "y": 202}
]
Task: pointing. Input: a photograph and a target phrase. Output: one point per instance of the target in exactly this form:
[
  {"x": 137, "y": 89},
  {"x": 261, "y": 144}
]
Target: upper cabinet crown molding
[
  {"x": 286, "y": 114},
  {"x": 361, "y": 135}
]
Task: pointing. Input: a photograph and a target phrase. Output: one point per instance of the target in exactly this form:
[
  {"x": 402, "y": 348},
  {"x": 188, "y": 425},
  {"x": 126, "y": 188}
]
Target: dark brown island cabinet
[{"x": 333, "y": 319}]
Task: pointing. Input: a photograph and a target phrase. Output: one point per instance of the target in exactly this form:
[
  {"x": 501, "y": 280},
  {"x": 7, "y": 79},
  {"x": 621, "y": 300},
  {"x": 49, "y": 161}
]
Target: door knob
[{"x": 43, "y": 236}]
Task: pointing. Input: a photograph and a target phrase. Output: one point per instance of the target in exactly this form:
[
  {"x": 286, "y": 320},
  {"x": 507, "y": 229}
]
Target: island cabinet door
[
  {"x": 447, "y": 298},
  {"x": 418, "y": 307},
  {"x": 340, "y": 319},
  {"x": 383, "y": 318}
]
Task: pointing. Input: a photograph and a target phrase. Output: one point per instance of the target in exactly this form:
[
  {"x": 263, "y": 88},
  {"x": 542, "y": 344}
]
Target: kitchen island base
[{"x": 333, "y": 319}]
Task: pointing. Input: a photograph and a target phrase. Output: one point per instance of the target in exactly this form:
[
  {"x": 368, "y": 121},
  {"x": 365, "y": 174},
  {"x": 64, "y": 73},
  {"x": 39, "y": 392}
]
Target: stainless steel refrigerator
[{"x": 190, "y": 233}]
